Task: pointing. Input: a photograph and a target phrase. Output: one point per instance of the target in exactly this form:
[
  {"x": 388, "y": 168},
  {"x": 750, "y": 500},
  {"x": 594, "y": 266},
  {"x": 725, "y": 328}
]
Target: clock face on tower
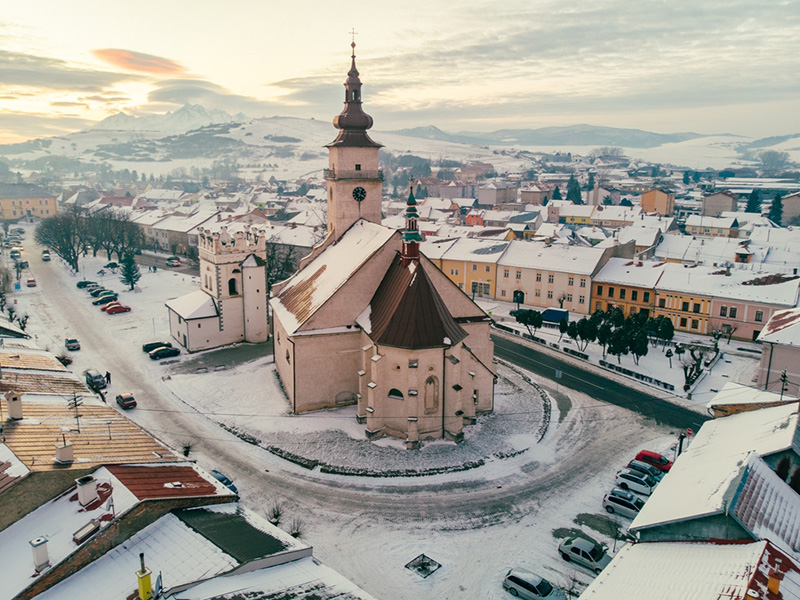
[{"x": 359, "y": 194}]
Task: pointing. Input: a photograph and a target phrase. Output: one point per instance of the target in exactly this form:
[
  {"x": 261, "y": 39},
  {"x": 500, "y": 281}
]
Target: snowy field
[{"x": 538, "y": 466}]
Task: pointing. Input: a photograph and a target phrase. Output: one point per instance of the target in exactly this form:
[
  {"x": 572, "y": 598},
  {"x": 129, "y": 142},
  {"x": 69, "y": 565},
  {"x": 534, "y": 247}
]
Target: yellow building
[
  {"x": 22, "y": 200},
  {"x": 627, "y": 284},
  {"x": 472, "y": 265},
  {"x": 683, "y": 296}
]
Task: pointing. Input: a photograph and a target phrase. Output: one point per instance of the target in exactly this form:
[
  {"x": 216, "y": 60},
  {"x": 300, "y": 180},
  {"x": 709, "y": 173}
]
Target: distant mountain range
[
  {"x": 187, "y": 118},
  {"x": 572, "y": 135}
]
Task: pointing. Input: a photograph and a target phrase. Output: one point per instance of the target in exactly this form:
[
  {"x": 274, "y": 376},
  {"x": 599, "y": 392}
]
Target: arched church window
[
  {"x": 232, "y": 286},
  {"x": 395, "y": 394},
  {"x": 431, "y": 394}
]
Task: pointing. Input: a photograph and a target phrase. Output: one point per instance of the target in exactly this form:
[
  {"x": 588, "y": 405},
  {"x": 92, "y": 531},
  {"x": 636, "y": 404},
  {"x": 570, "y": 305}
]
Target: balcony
[{"x": 335, "y": 175}]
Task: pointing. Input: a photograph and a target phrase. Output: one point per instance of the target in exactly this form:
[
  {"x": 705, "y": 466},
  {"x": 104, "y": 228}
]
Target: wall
[
  {"x": 776, "y": 358},
  {"x": 715, "y": 526}
]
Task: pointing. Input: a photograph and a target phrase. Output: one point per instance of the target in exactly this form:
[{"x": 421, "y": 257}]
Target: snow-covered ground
[{"x": 531, "y": 477}]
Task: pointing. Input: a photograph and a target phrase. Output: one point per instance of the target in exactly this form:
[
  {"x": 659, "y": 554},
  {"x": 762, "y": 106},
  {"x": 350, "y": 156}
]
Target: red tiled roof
[{"x": 168, "y": 481}]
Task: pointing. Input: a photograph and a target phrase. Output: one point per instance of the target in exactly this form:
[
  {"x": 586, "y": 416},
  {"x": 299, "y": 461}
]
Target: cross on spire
[{"x": 353, "y": 43}]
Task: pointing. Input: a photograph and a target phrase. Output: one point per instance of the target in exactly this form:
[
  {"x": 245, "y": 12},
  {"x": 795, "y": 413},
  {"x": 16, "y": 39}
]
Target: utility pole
[
  {"x": 75, "y": 402},
  {"x": 784, "y": 380}
]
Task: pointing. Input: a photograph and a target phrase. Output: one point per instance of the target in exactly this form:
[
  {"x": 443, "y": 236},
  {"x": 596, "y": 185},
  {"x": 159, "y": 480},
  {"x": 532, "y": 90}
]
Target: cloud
[
  {"x": 42, "y": 73},
  {"x": 63, "y": 103},
  {"x": 138, "y": 61},
  {"x": 21, "y": 126},
  {"x": 210, "y": 95},
  {"x": 105, "y": 99}
]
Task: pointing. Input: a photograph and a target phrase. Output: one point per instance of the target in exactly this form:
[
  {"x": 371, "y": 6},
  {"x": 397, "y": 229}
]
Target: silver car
[
  {"x": 620, "y": 502},
  {"x": 524, "y": 584},
  {"x": 636, "y": 481},
  {"x": 585, "y": 553}
]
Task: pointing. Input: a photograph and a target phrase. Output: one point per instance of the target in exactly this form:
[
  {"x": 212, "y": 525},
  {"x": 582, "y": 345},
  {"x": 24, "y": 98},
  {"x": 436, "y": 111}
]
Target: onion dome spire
[
  {"x": 411, "y": 236},
  {"x": 353, "y": 122}
]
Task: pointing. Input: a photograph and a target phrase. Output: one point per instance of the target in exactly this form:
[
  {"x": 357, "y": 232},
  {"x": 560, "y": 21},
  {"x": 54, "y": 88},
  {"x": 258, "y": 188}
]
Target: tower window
[
  {"x": 358, "y": 167},
  {"x": 355, "y": 95},
  {"x": 395, "y": 394}
]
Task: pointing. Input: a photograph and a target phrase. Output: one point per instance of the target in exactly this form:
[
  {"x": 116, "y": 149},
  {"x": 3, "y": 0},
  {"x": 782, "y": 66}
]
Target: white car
[
  {"x": 636, "y": 481},
  {"x": 524, "y": 584}
]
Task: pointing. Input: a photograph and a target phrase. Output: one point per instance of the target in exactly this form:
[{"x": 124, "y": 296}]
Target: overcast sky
[{"x": 702, "y": 65}]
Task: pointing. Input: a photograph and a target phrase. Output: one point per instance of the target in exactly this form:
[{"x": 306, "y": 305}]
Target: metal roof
[{"x": 163, "y": 481}]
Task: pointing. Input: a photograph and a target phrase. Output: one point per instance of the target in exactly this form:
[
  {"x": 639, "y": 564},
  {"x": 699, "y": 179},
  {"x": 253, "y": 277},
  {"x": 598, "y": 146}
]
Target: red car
[
  {"x": 105, "y": 307},
  {"x": 126, "y": 401},
  {"x": 112, "y": 310},
  {"x": 659, "y": 461}
]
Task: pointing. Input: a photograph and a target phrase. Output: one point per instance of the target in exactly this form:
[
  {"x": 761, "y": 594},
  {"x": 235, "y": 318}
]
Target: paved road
[{"x": 596, "y": 386}]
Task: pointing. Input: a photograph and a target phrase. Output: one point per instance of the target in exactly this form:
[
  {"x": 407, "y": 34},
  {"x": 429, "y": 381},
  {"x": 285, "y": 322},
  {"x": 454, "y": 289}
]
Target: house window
[
  {"x": 474, "y": 267},
  {"x": 662, "y": 303},
  {"x": 571, "y": 281},
  {"x": 723, "y": 311},
  {"x": 581, "y": 299},
  {"x": 488, "y": 269},
  {"x": 569, "y": 297},
  {"x": 505, "y": 272},
  {"x": 537, "y": 293},
  {"x": 549, "y": 279},
  {"x": 685, "y": 307},
  {"x": 503, "y": 293},
  {"x": 759, "y": 315},
  {"x": 695, "y": 323},
  {"x": 519, "y": 274},
  {"x": 646, "y": 297},
  {"x": 634, "y": 295},
  {"x": 622, "y": 294},
  {"x": 610, "y": 292},
  {"x": 599, "y": 290},
  {"x": 460, "y": 286},
  {"x": 683, "y": 322},
  {"x": 538, "y": 277},
  {"x": 453, "y": 271},
  {"x": 696, "y": 308},
  {"x": 287, "y": 357},
  {"x": 550, "y": 294},
  {"x": 583, "y": 282},
  {"x": 598, "y": 306},
  {"x": 732, "y": 312}
]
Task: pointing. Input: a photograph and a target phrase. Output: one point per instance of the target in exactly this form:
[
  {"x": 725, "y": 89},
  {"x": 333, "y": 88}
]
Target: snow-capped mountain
[{"x": 187, "y": 118}]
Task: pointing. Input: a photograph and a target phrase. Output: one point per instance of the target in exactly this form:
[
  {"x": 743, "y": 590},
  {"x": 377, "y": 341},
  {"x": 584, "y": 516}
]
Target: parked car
[
  {"x": 104, "y": 299},
  {"x": 224, "y": 480},
  {"x": 31, "y": 282},
  {"x": 126, "y": 400},
  {"x": 646, "y": 468},
  {"x": 164, "y": 352},
  {"x": 524, "y": 584},
  {"x": 620, "y": 502},
  {"x": 45, "y": 256},
  {"x": 72, "y": 344},
  {"x": 659, "y": 461},
  {"x": 173, "y": 262},
  {"x": 15, "y": 253},
  {"x": 113, "y": 310},
  {"x": 84, "y": 283},
  {"x": 628, "y": 479},
  {"x": 150, "y": 346},
  {"x": 95, "y": 380},
  {"x": 99, "y": 292},
  {"x": 105, "y": 307},
  {"x": 22, "y": 264},
  {"x": 585, "y": 553}
]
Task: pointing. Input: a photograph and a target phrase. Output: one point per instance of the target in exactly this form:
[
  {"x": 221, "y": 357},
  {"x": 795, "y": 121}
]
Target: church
[{"x": 368, "y": 320}]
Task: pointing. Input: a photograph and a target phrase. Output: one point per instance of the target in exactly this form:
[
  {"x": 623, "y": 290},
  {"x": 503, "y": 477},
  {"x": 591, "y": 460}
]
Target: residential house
[
  {"x": 734, "y": 398},
  {"x": 475, "y": 217},
  {"x": 494, "y": 194},
  {"x": 538, "y": 194},
  {"x": 26, "y": 201},
  {"x": 712, "y": 226},
  {"x": 791, "y": 210},
  {"x": 597, "y": 196},
  {"x": 472, "y": 265},
  {"x": 615, "y": 217},
  {"x": 541, "y": 275},
  {"x": 174, "y": 233},
  {"x": 719, "y": 202},
  {"x": 658, "y": 201},
  {"x": 779, "y": 369},
  {"x": 627, "y": 284},
  {"x": 683, "y": 298},
  {"x": 561, "y": 211}
]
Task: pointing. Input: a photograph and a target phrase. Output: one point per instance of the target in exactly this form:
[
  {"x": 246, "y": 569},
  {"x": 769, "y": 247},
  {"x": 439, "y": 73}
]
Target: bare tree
[{"x": 63, "y": 234}]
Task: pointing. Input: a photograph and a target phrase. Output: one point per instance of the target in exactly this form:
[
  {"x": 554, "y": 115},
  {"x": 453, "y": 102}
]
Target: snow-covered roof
[
  {"x": 738, "y": 284},
  {"x": 640, "y": 236},
  {"x": 308, "y": 289},
  {"x": 12, "y": 469},
  {"x": 630, "y": 272},
  {"x": 185, "y": 223},
  {"x": 435, "y": 248},
  {"x": 148, "y": 217},
  {"x": 703, "y": 480},
  {"x": 736, "y": 393},
  {"x": 562, "y": 258},
  {"x": 476, "y": 250},
  {"x": 711, "y": 222},
  {"x": 693, "y": 571},
  {"x": 782, "y": 328},
  {"x": 616, "y": 213},
  {"x": 195, "y": 305}
]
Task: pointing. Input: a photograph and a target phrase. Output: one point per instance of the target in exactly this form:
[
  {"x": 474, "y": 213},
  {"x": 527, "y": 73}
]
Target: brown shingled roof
[
  {"x": 407, "y": 311},
  {"x": 163, "y": 481}
]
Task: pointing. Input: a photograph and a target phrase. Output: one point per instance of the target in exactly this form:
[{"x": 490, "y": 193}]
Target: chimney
[
  {"x": 143, "y": 577},
  {"x": 775, "y": 578},
  {"x": 14, "y": 401},
  {"x": 65, "y": 453},
  {"x": 40, "y": 558},
  {"x": 87, "y": 490}
]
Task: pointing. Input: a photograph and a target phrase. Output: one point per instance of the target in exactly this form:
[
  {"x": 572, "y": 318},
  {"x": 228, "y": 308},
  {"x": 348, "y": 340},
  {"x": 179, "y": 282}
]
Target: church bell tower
[{"x": 354, "y": 181}]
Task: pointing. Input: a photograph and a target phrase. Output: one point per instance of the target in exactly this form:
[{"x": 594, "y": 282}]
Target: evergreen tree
[
  {"x": 556, "y": 194},
  {"x": 590, "y": 185},
  {"x": 130, "y": 271},
  {"x": 563, "y": 327},
  {"x": 625, "y": 202},
  {"x": 686, "y": 178},
  {"x": 776, "y": 210},
  {"x": 574, "y": 191},
  {"x": 753, "y": 202}
]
